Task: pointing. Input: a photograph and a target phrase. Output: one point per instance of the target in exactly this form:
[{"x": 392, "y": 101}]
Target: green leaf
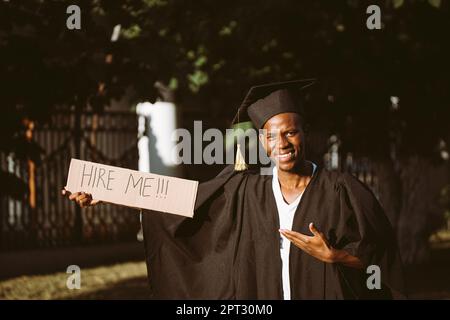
[
  {"x": 132, "y": 32},
  {"x": 190, "y": 55},
  {"x": 398, "y": 3},
  {"x": 200, "y": 61},
  {"x": 197, "y": 80},
  {"x": 225, "y": 31},
  {"x": 173, "y": 83},
  {"x": 218, "y": 65},
  {"x": 155, "y": 3},
  {"x": 228, "y": 30},
  {"x": 435, "y": 3},
  {"x": 163, "y": 32}
]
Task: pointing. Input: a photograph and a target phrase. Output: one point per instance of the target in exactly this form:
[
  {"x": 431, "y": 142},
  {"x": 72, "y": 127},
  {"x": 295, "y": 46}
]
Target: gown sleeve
[{"x": 365, "y": 232}]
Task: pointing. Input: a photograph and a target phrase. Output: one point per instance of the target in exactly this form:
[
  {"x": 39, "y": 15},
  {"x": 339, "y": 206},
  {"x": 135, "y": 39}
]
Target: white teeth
[{"x": 285, "y": 156}]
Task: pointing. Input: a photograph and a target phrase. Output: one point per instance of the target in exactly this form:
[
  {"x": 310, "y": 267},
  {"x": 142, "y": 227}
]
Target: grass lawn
[{"x": 120, "y": 281}]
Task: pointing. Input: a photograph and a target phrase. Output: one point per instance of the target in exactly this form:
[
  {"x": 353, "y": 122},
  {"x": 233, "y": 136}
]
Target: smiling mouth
[{"x": 285, "y": 156}]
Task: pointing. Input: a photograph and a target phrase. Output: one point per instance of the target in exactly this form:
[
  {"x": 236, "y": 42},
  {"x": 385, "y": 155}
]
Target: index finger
[
  {"x": 73, "y": 196},
  {"x": 294, "y": 234},
  {"x": 313, "y": 229}
]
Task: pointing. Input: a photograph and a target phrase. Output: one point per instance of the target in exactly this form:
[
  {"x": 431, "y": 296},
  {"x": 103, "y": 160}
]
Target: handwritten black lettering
[
  {"x": 86, "y": 175},
  {"x": 162, "y": 186},
  {"x": 109, "y": 179},
  {"x": 101, "y": 173},
  {"x": 95, "y": 174},
  {"x": 131, "y": 178},
  {"x": 146, "y": 186}
]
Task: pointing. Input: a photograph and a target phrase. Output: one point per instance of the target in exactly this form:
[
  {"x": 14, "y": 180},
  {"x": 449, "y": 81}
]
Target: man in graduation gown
[{"x": 301, "y": 233}]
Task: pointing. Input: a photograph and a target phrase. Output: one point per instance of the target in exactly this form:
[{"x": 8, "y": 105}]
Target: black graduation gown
[{"x": 231, "y": 248}]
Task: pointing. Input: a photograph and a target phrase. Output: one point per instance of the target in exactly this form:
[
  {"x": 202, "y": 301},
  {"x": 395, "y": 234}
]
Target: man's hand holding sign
[{"x": 89, "y": 183}]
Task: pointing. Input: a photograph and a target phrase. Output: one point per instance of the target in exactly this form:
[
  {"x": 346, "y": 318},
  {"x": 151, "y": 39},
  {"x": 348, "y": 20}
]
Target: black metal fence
[
  {"x": 361, "y": 167},
  {"x": 43, "y": 218}
]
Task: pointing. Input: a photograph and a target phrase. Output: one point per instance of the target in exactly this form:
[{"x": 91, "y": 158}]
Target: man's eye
[{"x": 291, "y": 133}]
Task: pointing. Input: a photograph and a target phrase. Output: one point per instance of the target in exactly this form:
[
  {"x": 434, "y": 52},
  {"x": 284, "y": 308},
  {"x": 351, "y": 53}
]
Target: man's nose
[{"x": 282, "y": 142}]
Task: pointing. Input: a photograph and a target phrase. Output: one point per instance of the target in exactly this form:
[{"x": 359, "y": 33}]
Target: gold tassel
[{"x": 239, "y": 164}]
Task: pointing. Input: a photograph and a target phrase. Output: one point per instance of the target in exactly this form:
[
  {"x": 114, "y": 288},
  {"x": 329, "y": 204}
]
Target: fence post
[{"x": 31, "y": 170}]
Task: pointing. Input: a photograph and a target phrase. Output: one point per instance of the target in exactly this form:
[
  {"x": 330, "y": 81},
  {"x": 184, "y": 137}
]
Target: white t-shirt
[{"x": 286, "y": 214}]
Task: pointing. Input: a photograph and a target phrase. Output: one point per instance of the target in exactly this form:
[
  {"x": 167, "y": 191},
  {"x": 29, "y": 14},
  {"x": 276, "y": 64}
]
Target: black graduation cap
[{"x": 265, "y": 101}]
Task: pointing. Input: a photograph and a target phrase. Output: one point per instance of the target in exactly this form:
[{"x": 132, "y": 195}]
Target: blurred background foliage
[{"x": 215, "y": 50}]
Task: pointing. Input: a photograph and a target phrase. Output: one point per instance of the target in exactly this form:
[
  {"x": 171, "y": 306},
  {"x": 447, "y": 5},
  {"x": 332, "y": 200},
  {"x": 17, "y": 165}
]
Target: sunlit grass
[
  {"x": 440, "y": 239},
  {"x": 122, "y": 281}
]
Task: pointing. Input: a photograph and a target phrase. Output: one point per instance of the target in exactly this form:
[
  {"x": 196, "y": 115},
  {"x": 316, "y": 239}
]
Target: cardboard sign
[{"x": 133, "y": 188}]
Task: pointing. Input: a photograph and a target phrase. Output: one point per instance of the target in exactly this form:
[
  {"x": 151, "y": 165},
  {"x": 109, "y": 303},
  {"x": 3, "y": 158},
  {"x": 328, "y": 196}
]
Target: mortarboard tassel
[{"x": 239, "y": 164}]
